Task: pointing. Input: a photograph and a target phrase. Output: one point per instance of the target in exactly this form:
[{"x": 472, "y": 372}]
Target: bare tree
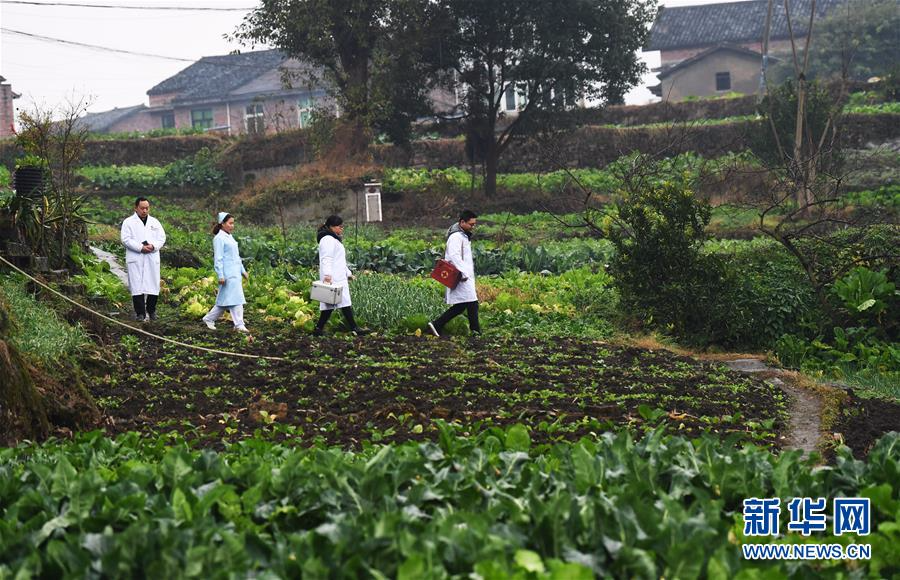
[
  {"x": 58, "y": 138},
  {"x": 799, "y": 146}
]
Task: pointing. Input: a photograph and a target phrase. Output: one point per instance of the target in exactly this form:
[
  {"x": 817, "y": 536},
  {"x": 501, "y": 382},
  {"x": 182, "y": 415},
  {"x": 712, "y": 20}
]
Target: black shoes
[{"x": 358, "y": 331}]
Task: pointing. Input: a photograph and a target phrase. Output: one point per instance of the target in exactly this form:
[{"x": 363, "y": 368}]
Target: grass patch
[
  {"x": 869, "y": 384},
  {"x": 41, "y": 333}
]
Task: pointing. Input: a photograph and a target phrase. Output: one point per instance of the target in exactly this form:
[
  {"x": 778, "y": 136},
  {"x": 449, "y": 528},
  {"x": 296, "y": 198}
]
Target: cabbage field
[{"x": 566, "y": 442}]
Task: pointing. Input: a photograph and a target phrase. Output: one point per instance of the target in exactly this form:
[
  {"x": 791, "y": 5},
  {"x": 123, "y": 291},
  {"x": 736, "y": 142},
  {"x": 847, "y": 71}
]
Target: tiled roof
[
  {"x": 730, "y": 22},
  {"x": 100, "y": 122},
  {"x": 214, "y": 77}
]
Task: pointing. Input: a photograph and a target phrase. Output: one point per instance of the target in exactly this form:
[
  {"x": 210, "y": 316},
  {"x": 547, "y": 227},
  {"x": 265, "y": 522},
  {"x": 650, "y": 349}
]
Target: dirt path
[
  {"x": 805, "y": 424},
  {"x": 113, "y": 262}
]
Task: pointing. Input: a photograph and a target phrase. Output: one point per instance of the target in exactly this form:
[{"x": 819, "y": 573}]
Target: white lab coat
[
  {"x": 333, "y": 262},
  {"x": 459, "y": 253},
  {"x": 143, "y": 269}
]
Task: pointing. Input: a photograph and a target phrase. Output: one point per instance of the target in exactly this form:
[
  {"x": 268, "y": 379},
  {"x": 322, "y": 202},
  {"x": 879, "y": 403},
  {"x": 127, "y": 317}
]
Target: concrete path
[
  {"x": 113, "y": 262},
  {"x": 805, "y": 412}
]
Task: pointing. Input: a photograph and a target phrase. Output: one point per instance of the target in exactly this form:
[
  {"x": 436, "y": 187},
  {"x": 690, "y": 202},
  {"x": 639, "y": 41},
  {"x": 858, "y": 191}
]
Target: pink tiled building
[
  {"x": 7, "y": 109},
  {"x": 234, "y": 94}
]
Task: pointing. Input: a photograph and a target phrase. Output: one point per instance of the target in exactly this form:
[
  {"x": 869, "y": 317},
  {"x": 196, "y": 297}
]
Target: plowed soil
[{"x": 349, "y": 390}]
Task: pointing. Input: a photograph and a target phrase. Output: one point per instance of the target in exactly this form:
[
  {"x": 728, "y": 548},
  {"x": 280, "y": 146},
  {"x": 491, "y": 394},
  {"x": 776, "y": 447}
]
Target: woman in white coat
[
  {"x": 229, "y": 270},
  {"x": 333, "y": 270},
  {"x": 143, "y": 237},
  {"x": 463, "y": 298}
]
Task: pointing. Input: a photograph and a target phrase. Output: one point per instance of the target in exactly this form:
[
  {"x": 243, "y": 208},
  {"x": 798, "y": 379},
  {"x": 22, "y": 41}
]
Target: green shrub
[
  {"x": 773, "y": 141},
  {"x": 834, "y": 255},
  {"x": 865, "y": 292},
  {"x": 198, "y": 172},
  {"x": 850, "y": 350},
  {"x": 766, "y": 294},
  {"x": 659, "y": 270}
]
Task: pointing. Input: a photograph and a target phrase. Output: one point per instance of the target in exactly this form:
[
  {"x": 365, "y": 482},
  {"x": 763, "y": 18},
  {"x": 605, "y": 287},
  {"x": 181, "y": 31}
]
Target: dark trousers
[
  {"x": 471, "y": 310},
  {"x": 347, "y": 311},
  {"x": 142, "y": 308}
]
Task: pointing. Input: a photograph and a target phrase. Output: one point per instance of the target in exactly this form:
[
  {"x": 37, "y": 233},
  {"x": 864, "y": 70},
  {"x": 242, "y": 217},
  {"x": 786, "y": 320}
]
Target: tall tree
[
  {"x": 856, "y": 40},
  {"x": 364, "y": 47},
  {"x": 551, "y": 53}
]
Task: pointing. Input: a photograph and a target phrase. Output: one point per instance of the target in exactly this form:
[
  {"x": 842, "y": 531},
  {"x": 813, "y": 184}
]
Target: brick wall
[
  {"x": 141, "y": 121},
  {"x": 162, "y": 100}
]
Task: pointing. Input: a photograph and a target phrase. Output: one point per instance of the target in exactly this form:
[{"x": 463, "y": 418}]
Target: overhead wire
[
  {"x": 125, "y": 7},
  {"x": 93, "y": 46},
  {"x": 133, "y": 328},
  {"x": 206, "y": 60}
]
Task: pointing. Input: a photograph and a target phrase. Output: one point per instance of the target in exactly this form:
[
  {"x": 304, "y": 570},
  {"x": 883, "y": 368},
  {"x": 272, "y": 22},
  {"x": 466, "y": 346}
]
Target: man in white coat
[
  {"x": 462, "y": 298},
  {"x": 143, "y": 237}
]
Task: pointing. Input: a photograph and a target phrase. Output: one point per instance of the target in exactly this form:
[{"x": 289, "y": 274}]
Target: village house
[
  {"x": 712, "y": 49},
  {"x": 255, "y": 92},
  {"x": 252, "y": 92},
  {"x": 7, "y": 109}
]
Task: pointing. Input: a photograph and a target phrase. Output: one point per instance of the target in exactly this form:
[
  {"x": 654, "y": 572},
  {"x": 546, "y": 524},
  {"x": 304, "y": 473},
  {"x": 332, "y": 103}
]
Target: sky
[{"x": 48, "y": 73}]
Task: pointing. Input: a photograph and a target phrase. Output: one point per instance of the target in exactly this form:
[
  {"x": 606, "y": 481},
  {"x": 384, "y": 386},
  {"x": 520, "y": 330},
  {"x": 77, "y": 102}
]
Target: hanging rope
[{"x": 134, "y": 329}]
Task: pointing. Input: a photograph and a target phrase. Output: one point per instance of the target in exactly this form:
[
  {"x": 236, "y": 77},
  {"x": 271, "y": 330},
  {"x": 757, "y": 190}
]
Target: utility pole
[{"x": 763, "y": 83}]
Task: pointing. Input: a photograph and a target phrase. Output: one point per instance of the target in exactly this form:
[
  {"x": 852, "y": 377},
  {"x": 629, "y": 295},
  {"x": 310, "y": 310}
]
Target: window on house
[
  {"x": 168, "y": 120},
  {"x": 305, "y": 107},
  {"x": 201, "y": 118},
  {"x": 254, "y": 118},
  {"x": 723, "y": 81},
  {"x": 510, "y": 98},
  {"x": 559, "y": 97}
]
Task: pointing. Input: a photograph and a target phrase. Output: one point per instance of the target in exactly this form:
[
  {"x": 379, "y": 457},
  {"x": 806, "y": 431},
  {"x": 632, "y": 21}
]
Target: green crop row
[
  {"x": 606, "y": 180},
  {"x": 578, "y": 302},
  {"x": 873, "y": 109},
  {"x": 488, "y": 505},
  {"x": 273, "y": 294},
  {"x": 198, "y": 173},
  {"x": 399, "y": 256},
  {"x": 140, "y": 177},
  {"x": 123, "y": 135},
  {"x": 887, "y": 197}
]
